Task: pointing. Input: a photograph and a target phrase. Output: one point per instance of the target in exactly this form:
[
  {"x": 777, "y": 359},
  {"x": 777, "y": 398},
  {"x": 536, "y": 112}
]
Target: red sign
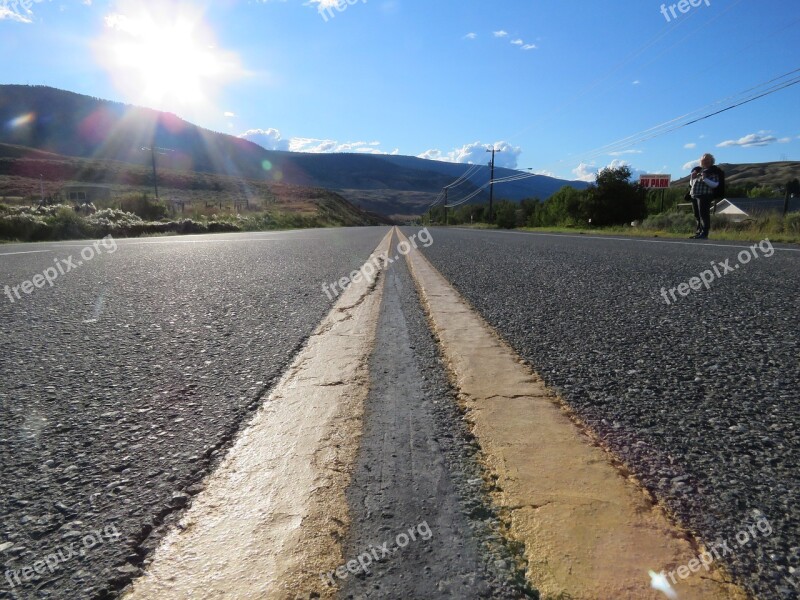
[{"x": 655, "y": 182}]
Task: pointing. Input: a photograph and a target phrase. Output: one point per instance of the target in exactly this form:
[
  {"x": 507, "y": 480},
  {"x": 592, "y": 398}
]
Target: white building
[{"x": 741, "y": 209}]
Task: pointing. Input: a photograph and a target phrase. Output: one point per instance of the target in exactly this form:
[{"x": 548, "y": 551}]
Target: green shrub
[
  {"x": 674, "y": 222},
  {"x": 222, "y": 227},
  {"x": 144, "y": 207},
  {"x": 67, "y": 224},
  {"x": 791, "y": 223},
  {"x": 24, "y": 227}
]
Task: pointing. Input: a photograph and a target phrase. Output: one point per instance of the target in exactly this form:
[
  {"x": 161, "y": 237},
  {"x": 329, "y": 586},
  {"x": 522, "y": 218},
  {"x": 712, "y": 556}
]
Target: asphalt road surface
[
  {"x": 416, "y": 470},
  {"x": 124, "y": 382},
  {"x": 700, "y": 397}
]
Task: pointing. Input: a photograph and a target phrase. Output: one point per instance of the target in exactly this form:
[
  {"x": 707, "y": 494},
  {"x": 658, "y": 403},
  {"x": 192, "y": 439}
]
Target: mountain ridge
[{"x": 75, "y": 125}]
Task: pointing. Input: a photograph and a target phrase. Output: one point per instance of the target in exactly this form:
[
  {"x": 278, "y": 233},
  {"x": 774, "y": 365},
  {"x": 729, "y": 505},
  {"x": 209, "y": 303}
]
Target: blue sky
[{"x": 547, "y": 81}]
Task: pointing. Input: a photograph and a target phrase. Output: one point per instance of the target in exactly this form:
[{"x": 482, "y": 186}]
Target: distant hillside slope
[
  {"x": 26, "y": 173},
  {"x": 69, "y": 124},
  {"x": 761, "y": 174}
]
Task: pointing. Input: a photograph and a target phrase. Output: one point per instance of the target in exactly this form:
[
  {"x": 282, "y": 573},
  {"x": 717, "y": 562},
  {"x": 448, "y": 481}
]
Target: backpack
[{"x": 719, "y": 191}]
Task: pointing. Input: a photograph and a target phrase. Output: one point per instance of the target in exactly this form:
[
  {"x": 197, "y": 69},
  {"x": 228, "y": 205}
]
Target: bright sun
[{"x": 164, "y": 56}]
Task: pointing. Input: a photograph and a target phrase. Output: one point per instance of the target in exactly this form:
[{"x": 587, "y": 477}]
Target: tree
[
  {"x": 762, "y": 192},
  {"x": 614, "y": 200},
  {"x": 506, "y": 214},
  {"x": 565, "y": 207}
]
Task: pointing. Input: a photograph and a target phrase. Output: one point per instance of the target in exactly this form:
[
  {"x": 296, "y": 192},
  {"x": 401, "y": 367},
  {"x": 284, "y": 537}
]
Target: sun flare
[{"x": 164, "y": 56}]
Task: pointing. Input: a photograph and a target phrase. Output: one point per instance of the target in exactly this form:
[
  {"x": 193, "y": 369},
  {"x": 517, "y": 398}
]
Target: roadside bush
[
  {"x": 222, "y": 227},
  {"x": 791, "y": 223},
  {"x": 144, "y": 207},
  {"x": 24, "y": 227},
  {"x": 674, "y": 222},
  {"x": 506, "y": 217},
  {"x": 114, "y": 216},
  {"x": 67, "y": 224}
]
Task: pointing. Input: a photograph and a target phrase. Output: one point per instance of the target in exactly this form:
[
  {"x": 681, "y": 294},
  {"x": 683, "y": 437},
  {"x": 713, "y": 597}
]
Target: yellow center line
[
  {"x": 272, "y": 515},
  {"x": 590, "y": 530}
]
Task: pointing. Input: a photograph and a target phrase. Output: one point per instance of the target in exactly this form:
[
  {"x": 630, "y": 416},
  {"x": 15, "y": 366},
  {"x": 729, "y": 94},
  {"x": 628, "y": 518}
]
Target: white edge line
[
  {"x": 590, "y": 236},
  {"x": 26, "y": 252},
  {"x": 126, "y": 242}
]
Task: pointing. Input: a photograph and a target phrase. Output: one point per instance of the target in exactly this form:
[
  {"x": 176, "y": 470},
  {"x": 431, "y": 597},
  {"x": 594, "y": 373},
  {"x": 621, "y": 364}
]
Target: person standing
[
  {"x": 693, "y": 201},
  {"x": 703, "y": 185}
]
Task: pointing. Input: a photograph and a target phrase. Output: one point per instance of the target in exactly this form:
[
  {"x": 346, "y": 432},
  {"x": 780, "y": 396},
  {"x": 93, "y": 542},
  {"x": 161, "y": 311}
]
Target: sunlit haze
[{"x": 548, "y": 82}]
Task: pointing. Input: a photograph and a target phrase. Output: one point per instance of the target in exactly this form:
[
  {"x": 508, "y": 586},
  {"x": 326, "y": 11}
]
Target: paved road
[
  {"x": 701, "y": 396},
  {"x": 123, "y": 382}
]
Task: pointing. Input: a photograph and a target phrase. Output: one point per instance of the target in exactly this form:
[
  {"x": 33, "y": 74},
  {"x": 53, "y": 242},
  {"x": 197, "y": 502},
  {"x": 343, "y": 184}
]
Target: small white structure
[{"x": 741, "y": 209}]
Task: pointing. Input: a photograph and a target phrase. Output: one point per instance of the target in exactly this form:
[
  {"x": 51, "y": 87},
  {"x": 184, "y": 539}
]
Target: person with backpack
[
  {"x": 706, "y": 187},
  {"x": 693, "y": 201}
]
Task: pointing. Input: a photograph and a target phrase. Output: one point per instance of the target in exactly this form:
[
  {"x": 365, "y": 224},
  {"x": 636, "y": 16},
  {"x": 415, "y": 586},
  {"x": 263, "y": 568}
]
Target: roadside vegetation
[
  {"x": 616, "y": 205},
  {"x": 138, "y": 214}
]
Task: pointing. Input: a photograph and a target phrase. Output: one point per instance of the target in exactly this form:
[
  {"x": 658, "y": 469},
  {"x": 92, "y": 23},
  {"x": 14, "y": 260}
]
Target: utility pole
[
  {"x": 155, "y": 174},
  {"x": 491, "y": 183},
  {"x": 445, "y": 206},
  {"x": 792, "y": 188},
  {"x": 153, "y": 150}
]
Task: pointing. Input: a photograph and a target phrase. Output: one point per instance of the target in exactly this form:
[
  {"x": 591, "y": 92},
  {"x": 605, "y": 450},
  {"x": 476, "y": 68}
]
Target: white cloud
[
  {"x": 271, "y": 139},
  {"x": 471, "y": 36},
  {"x": 691, "y": 165},
  {"x": 623, "y": 152},
  {"x": 637, "y": 82},
  {"x": 500, "y": 34},
  {"x": 784, "y": 140},
  {"x": 585, "y": 172},
  {"x": 690, "y": 146},
  {"x": 228, "y": 114},
  {"x": 529, "y": 47},
  {"x": 588, "y": 171},
  {"x": 518, "y": 42},
  {"x": 750, "y": 141},
  {"x": 475, "y": 153},
  {"x": 22, "y": 14}
]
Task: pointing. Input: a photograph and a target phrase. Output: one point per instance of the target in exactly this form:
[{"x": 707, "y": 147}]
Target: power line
[
  {"x": 675, "y": 124},
  {"x": 650, "y": 133},
  {"x": 680, "y": 122},
  {"x": 461, "y": 180}
]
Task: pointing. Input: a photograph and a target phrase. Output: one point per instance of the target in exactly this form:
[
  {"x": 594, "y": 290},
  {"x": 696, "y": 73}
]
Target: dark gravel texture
[
  {"x": 417, "y": 470},
  {"x": 124, "y": 383},
  {"x": 701, "y": 398}
]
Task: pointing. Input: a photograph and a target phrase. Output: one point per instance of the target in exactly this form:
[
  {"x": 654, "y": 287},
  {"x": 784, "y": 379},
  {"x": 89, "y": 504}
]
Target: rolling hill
[
  {"x": 72, "y": 125},
  {"x": 771, "y": 174},
  {"x": 25, "y": 172}
]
